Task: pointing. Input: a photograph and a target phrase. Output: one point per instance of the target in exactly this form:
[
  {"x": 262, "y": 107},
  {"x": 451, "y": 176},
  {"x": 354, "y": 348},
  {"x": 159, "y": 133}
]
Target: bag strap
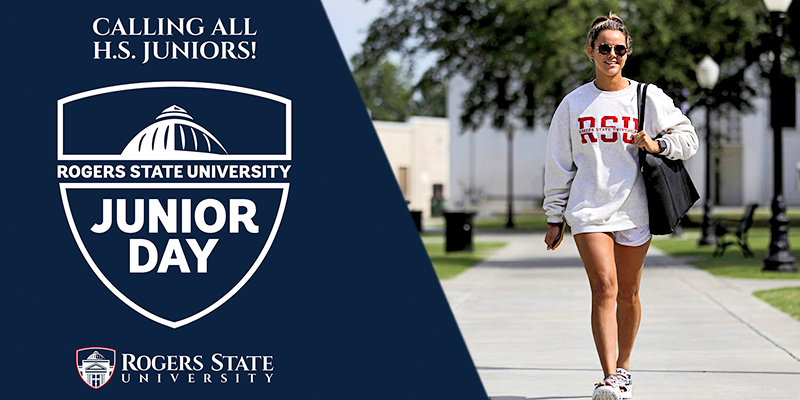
[{"x": 641, "y": 102}]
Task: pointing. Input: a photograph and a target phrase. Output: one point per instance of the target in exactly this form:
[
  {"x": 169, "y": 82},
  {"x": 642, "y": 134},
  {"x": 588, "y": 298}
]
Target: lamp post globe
[
  {"x": 779, "y": 257},
  {"x": 778, "y": 5},
  {"x": 707, "y": 73},
  {"x": 707, "y": 77}
]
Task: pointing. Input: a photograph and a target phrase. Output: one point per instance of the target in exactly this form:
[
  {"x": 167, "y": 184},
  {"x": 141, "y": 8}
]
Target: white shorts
[{"x": 633, "y": 237}]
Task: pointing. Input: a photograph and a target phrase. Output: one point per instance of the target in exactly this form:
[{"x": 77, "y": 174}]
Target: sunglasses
[{"x": 619, "y": 49}]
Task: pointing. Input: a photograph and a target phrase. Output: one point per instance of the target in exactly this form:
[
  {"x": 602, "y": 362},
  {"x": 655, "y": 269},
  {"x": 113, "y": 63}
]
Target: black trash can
[
  {"x": 417, "y": 217},
  {"x": 458, "y": 231}
]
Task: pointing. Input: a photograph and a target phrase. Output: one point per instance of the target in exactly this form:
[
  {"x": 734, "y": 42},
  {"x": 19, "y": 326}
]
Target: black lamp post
[
  {"x": 510, "y": 176},
  {"x": 779, "y": 257},
  {"x": 707, "y": 76}
]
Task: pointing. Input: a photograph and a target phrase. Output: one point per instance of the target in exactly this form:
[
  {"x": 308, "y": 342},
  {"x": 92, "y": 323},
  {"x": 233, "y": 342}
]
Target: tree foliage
[
  {"x": 386, "y": 91},
  {"x": 522, "y": 56},
  {"x": 389, "y": 94},
  {"x": 429, "y": 98}
]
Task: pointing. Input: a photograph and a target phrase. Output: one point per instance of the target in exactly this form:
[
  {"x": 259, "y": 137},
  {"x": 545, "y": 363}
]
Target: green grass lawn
[
  {"x": 760, "y": 218},
  {"x": 732, "y": 264},
  {"x": 430, "y": 235},
  {"x": 785, "y": 299},
  {"x": 448, "y": 265},
  {"x": 521, "y": 223}
]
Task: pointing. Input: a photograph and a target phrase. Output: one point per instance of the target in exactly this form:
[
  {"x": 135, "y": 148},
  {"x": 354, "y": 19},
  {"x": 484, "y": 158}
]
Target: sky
[{"x": 350, "y": 20}]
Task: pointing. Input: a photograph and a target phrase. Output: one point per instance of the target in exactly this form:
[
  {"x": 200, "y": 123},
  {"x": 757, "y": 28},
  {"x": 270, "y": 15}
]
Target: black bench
[{"x": 723, "y": 226}]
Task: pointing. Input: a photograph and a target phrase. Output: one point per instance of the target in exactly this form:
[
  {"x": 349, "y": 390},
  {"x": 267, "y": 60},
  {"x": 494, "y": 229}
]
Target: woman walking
[{"x": 593, "y": 183}]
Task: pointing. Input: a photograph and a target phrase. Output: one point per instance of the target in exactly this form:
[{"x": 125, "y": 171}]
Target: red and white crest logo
[{"x": 95, "y": 365}]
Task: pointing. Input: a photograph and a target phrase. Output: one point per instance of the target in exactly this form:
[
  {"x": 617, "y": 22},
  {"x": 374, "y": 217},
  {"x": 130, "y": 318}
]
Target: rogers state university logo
[
  {"x": 174, "y": 191},
  {"x": 96, "y": 365}
]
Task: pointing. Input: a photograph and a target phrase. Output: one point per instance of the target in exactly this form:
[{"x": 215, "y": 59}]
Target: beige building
[{"x": 419, "y": 153}]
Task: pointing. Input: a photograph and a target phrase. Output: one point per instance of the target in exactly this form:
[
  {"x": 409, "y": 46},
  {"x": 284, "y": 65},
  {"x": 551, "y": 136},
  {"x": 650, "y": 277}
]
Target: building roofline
[
  {"x": 411, "y": 122},
  {"x": 392, "y": 125},
  {"x": 429, "y": 120}
]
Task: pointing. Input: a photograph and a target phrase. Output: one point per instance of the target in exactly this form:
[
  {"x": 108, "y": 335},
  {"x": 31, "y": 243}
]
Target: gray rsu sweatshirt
[{"x": 592, "y": 175}]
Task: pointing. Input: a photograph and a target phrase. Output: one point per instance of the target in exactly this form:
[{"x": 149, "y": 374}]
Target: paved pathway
[{"x": 524, "y": 314}]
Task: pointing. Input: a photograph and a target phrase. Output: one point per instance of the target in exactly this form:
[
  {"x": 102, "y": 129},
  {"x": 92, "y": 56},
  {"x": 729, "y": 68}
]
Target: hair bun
[
  {"x": 615, "y": 17},
  {"x": 605, "y": 18},
  {"x": 610, "y": 21},
  {"x": 599, "y": 20}
]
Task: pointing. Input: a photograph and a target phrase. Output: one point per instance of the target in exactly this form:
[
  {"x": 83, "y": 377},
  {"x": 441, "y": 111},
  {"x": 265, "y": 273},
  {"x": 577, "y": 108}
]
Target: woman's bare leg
[
  {"x": 630, "y": 262},
  {"x": 597, "y": 253}
]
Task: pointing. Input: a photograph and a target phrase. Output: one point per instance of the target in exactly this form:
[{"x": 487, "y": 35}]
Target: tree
[
  {"x": 523, "y": 56},
  {"x": 429, "y": 98},
  {"x": 389, "y": 95},
  {"x": 386, "y": 91},
  {"x": 793, "y": 37}
]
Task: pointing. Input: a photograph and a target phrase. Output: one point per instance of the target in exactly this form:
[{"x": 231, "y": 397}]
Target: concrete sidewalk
[{"x": 524, "y": 314}]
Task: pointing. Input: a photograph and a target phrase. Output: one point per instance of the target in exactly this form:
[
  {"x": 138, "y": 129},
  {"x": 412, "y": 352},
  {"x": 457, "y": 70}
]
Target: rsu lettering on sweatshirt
[{"x": 609, "y": 130}]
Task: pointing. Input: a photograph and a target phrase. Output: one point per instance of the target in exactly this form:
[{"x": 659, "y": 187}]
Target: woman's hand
[
  {"x": 644, "y": 142},
  {"x": 552, "y": 234}
]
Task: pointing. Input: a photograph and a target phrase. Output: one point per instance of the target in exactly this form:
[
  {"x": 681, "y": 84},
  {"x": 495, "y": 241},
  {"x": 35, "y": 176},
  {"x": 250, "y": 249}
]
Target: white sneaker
[
  {"x": 609, "y": 391},
  {"x": 625, "y": 383}
]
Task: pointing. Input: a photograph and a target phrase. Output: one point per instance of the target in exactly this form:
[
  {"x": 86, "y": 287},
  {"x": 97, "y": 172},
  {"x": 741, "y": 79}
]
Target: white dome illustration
[
  {"x": 174, "y": 135},
  {"x": 96, "y": 356}
]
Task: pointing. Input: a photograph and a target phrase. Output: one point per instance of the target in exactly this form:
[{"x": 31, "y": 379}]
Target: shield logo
[
  {"x": 176, "y": 210},
  {"x": 95, "y": 365}
]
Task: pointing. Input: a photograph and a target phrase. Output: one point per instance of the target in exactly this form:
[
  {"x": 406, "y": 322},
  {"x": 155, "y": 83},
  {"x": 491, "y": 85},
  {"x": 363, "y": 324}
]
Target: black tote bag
[{"x": 670, "y": 191}]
